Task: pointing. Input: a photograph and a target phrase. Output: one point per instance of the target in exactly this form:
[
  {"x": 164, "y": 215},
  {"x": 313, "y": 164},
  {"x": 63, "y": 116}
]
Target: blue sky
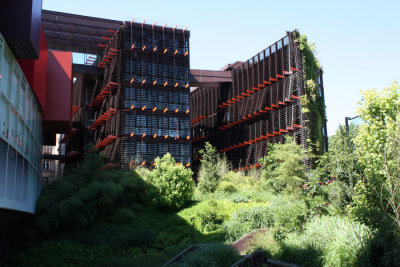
[{"x": 358, "y": 42}]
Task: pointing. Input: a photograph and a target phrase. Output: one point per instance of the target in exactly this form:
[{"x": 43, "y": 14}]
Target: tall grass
[{"x": 327, "y": 241}]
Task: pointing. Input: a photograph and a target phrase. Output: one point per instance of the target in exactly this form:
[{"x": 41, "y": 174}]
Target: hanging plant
[{"x": 312, "y": 101}]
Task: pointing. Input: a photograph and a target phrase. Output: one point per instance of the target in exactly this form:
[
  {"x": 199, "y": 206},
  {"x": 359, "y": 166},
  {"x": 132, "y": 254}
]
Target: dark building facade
[
  {"x": 260, "y": 105},
  {"x": 139, "y": 109}
]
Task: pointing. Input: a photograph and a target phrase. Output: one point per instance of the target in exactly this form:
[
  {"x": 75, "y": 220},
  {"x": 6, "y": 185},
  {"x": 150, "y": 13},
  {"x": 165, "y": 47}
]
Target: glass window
[
  {"x": 15, "y": 89},
  {"x": 21, "y": 98},
  {"x": 6, "y": 69}
]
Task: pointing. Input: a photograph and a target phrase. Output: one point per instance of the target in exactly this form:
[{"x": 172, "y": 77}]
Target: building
[
  {"x": 248, "y": 105},
  {"x": 131, "y": 90},
  {"x": 53, "y": 161},
  {"x": 140, "y": 108},
  {"x": 131, "y": 95},
  {"x": 35, "y": 105}
]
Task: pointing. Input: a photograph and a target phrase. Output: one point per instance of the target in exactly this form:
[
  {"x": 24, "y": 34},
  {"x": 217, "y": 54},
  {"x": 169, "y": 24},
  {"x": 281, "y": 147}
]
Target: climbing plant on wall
[{"x": 313, "y": 106}]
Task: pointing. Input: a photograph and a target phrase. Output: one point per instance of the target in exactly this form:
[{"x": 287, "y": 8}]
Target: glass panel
[
  {"x": 3, "y": 164},
  {"x": 19, "y": 178},
  {"x": 11, "y": 166}
]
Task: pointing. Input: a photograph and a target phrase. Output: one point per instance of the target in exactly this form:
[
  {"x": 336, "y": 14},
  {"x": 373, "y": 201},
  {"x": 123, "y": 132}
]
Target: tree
[
  {"x": 376, "y": 200},
  {"x": 343, "y": 163},
  {"x": 173, "y": 183},
  {"x": 209, "y": 174},
  {"x": 379, "y": 111},
  {"x": 285, "y": 163}
]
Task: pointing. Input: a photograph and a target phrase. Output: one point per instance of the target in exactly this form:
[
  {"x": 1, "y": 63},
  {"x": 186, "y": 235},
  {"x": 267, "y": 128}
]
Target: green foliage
[
  {"x": 173, "y": 184},
  {"x": 312, "y": 102},
  {"x": 61, "y": 254},
  {"x": 284, "y": 163},
  {"x": 210, "y": 255},
  {"x": 240, "y": 180},
  {"x": 89, "y": 194},
  {"x": 116, "y": 236},
  {"x": 340, "y": 197},
  {"x": 376, "y": 200},
  {"x": 264, "y": 241},
  {"x": 269, "y": 164},
  {"x": 343, "y": 162},
  {"x": 246, "y": 220},
  {"x": 209, "y": 174},
  {"x": 284, "y": 215},
  {"x": 227, "y": 187},
  {"x": 379, "y": 111},
  {"x": 123, "y": 215},
  {"x": 290, "y": 214},
  {"x": 209, "y": 215},
  {"x": 327, "y": 241}
]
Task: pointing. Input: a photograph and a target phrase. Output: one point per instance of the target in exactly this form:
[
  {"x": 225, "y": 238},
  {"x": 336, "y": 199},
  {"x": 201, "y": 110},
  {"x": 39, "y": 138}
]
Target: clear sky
[{"x": 358, "y": 42}]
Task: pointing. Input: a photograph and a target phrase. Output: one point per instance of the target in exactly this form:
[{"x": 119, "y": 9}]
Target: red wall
[
  {"x": 58, "y": 111},
  {"x": 35, "y": 71}
]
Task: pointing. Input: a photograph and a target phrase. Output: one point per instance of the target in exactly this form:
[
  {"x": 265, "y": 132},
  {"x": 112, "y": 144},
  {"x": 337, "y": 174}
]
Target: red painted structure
[
  {"x": 50, "y": 77},
  {"x": 57, "y": 118}
]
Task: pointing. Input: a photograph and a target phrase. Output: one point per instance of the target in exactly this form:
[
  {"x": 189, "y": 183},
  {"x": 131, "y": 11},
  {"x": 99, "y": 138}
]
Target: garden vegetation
[{"x": 344, "y": 211}]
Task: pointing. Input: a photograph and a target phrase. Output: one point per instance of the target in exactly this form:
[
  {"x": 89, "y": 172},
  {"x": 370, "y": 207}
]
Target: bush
[
  {"x": 339, "y": 195},
  {"x": 173, "y": 183},
  {"x": 210, "y": 255},
  {"x": 289, "y": 215},
  {"x": 209, "y": 215},
  {"x": 227, "y": 187},
  {"x": 284, "y": 163},
  {"x": 86, "y": 196},
  {"x": 239, "y": 179}
]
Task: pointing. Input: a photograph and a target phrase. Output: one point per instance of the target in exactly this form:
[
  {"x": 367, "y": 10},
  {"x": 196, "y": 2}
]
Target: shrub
[
  {"x": 173, "y": 183},
  {"x": 289, "y": 215},
  {"x": 339, "y": 195},
  {"x": 343, "y": 163},
  {"x": 89, "y": 194},
  {"x": 240, "y": 180},
  {"x": 227, "y": 187},
  {"x": 210, "y": 255},
  {"x": 209, "y": 174},
  {"x": 223, "y": 165},
  {"x": 284, "y": 163},
  {"x": 209, "y": 215}
]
